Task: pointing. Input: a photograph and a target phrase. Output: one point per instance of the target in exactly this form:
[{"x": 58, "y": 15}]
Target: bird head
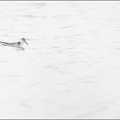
[{"x": 24, "y": 41}]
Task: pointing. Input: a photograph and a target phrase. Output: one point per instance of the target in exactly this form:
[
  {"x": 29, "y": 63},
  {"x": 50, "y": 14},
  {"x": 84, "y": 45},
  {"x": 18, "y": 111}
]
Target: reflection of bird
[{"x": 15, "y": 44}]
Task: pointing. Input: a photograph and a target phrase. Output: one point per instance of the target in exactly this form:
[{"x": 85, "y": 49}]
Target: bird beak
[{"x": 26, "y": 42}]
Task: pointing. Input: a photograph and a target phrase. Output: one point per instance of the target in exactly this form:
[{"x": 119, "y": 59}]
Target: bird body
[{"x": 18, "y": 44}]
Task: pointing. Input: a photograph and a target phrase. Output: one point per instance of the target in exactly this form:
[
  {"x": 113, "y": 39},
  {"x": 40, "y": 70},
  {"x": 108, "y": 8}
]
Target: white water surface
[{"x": 71, "y": 67}]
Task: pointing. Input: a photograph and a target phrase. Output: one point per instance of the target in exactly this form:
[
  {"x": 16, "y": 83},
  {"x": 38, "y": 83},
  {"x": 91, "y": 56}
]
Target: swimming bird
[{"x": 18, "y": 44}]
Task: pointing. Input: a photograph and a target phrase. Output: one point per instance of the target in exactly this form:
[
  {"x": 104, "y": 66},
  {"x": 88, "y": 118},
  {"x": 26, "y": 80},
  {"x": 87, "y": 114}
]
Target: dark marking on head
[{"x": 24, "y": 40}]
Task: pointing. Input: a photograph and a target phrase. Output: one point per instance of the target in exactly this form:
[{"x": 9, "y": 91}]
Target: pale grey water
[{"x": 70, "y": 69}]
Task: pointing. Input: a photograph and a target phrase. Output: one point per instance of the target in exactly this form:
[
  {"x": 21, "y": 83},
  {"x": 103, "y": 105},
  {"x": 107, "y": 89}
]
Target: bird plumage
[{"x": 15, "y": 44}]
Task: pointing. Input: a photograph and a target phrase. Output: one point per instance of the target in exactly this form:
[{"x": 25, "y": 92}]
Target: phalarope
[{"x": 18, "y": 44}]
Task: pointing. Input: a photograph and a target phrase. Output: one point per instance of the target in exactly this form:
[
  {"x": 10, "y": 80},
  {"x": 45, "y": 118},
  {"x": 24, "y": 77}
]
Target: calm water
[{"x": 70, "y": 69}]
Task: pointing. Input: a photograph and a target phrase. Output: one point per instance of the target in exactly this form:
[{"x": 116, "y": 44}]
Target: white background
[{"x": 71, "y": 67}]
